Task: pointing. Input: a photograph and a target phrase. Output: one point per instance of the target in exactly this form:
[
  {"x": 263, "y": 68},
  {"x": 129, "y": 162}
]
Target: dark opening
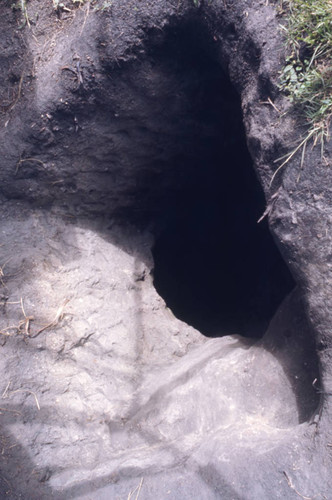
[{"x": 216, "y": 268}]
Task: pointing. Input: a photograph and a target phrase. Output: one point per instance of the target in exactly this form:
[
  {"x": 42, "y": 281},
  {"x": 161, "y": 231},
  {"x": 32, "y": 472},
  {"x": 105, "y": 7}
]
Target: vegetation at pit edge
[{"x": 307, "y": 75}]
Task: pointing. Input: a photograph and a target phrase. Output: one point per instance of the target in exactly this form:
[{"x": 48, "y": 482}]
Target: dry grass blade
[
  {"x": 25, "y": 12},
  {"x": 5, "y": 333},
  {"x": 137, "y": 490},
  {"x": 85, "y": 16},
  {"x": 19, "y": 92},
  {"x": 24, "y": 325},
  {"x": 293, "y": 153},
  {"x": 16, "y": 412},
  {"x": 23, "y": 160},
  {"x": 271, "y": 103},
  {"x": 58, "y": 317},
  {"x": 5, "y": 391},
  {"x": 29, "y": 392},
  {"x": 8, "y": 483},
  {"x": 2, "y": 273}
]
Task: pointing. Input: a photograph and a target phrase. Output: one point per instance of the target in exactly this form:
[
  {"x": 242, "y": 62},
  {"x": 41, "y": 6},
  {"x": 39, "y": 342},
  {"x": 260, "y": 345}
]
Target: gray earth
[{"x": 105, "y": 394}]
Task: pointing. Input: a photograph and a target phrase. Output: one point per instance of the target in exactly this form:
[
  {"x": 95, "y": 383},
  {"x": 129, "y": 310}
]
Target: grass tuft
[{"x": 307, "y": 75}]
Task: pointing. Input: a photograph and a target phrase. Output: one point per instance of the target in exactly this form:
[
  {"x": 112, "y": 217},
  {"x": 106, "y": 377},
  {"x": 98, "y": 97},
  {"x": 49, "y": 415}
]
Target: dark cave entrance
[{"x": 216, "y": 268}]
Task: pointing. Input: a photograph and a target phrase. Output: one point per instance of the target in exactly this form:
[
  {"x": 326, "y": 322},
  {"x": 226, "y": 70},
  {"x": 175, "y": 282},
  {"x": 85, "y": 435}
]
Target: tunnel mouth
[{"x": 216, "y": 268}]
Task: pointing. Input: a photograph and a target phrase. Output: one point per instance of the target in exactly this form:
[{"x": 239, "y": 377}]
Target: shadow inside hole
[{"x": 215, "y": 267}]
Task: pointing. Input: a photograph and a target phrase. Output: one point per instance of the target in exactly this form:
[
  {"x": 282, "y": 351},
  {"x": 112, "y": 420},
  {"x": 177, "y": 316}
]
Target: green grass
[{"x": 307, "y": 75}]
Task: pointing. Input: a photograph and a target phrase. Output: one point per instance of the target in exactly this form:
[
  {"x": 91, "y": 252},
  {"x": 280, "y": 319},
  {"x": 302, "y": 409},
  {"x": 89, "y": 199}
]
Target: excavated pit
[
  {"x": 154, "y": 137},
  {"x": 215, "y": 266}
]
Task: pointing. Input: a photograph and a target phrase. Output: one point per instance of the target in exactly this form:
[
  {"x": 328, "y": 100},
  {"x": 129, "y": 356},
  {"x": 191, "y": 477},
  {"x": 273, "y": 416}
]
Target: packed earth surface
[{"x": 165, "y": 288}]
